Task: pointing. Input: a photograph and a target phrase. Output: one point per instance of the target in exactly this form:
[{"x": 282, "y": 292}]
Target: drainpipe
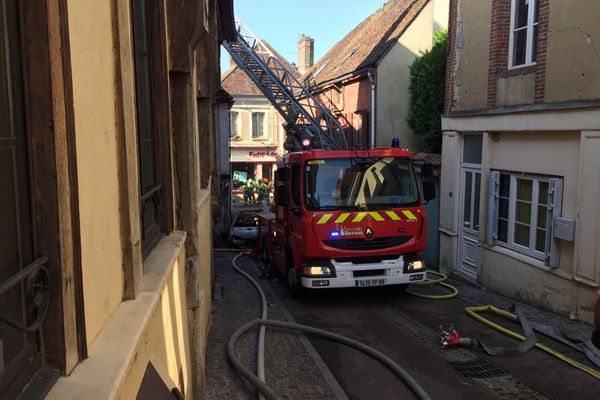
[{"x": 372, "y": 80}]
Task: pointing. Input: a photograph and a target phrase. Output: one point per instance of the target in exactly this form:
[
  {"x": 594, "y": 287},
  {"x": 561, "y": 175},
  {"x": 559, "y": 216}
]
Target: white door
[{"x": 469, "y": 221}]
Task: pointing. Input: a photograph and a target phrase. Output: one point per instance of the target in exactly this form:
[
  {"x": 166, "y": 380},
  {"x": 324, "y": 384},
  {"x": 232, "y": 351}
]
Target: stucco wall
[
  {"x": 515, "y": 90},
  {"x": 449, "y": 197},
  {"x": 568, "y": 289},
  {"x": 393, "y": 80},
  {"x": 164, "y": 340},
  {"x": 245, "y": 106},
  {"x": 151, "y": 327},
  {"x": 93, "y": 68},
  {"x": 573, "y": 63},
  {"x": 472, "y": 54},
  {"x": 519, "y": 152}
]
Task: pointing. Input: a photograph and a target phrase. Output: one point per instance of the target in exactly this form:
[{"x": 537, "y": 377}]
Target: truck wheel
[{"x": 294, "y": 283}]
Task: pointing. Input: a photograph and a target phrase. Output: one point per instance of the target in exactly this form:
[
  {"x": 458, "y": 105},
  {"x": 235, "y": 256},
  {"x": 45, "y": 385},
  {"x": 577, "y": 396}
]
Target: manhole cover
[{"x": 477, "y": 368}]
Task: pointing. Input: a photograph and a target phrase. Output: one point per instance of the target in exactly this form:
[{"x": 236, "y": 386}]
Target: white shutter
[
  {"x": 555, "y": 193},
  {"x": 492, "y": 210}
]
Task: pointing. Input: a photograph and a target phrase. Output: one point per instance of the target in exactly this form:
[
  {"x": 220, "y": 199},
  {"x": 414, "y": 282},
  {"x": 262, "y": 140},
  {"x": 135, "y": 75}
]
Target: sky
[{"x": 281, "y": 22}]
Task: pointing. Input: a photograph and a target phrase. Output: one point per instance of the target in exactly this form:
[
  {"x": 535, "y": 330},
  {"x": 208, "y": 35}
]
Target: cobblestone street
[{"x": 291, "y": 371}]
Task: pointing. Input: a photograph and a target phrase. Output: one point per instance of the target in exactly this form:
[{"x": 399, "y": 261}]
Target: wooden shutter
[
  {"x": 555, "y": 193},
  {"x": 492, "y": 211}
]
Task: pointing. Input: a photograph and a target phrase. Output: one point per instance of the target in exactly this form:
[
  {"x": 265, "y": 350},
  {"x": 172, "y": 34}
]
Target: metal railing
[
  {"x": 37, "y": 290},
  {"x": 303, "y": 113}
]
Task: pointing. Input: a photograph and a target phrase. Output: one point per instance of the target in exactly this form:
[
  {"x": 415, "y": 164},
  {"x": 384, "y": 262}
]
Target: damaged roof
[
  {"x": 236, "y": 82},
  {"x": 366, "y": 43}
]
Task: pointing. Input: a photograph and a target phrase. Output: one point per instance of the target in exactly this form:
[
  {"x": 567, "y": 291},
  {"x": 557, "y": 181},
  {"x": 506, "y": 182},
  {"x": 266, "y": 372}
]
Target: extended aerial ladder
[{"x": 305, "y": 117}]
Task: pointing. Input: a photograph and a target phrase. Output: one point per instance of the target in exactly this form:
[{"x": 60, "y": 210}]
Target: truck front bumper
[{"x": 350, "y": 274}]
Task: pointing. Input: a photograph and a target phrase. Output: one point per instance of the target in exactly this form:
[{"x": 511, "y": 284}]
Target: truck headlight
[
  {"x": 414, "y": 266},
  {"x": 316, "y": 270}
]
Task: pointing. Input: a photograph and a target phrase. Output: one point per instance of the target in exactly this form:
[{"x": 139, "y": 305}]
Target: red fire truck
[
  {"x": 349, "y": 219},
  {"x": 343, "y": 217}
]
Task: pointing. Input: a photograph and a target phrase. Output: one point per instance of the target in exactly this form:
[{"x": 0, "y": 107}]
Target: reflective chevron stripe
[
  {"x": 324, "y": 219},
  {"x": 376, "y": 216},
  {"x": 359, "y": 216},
  {"x": 393, "y": 216},
  {"x": 342, "y": 218},
  {"x": 409, "y": 214}
]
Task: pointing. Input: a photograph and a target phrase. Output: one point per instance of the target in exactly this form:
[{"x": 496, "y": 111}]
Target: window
[
  {"x": 233, "y": 124},
  {"x": 258, "y": 125},
  {"x": 148, "y": 96},
  {"x": 351, "y": 184},
  {"x": 20, "y": 354},
  {"x": 523, "y": 33},
  {"x": 523, "y": 208}
]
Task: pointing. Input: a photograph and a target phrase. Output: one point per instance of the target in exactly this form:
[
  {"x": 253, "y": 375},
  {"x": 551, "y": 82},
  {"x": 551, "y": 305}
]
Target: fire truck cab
[{"x": 349, "y": 218}]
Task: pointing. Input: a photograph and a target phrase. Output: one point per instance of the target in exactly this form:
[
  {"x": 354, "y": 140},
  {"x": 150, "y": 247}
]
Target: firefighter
[
  {"x": 262, "y": 187},
  {"x": 248, "y": 189}
]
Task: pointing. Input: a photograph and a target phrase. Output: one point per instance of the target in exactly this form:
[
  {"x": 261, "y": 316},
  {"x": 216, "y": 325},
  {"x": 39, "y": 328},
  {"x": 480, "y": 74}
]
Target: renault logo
[{"x": 369, "y": 233}]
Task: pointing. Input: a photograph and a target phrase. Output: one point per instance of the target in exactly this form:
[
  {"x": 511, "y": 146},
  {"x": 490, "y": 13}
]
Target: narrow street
[{"x": 406, "y": 329}]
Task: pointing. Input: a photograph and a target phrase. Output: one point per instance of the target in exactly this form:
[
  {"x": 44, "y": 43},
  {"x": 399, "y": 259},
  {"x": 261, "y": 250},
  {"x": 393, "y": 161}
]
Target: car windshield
[
  {"x": 359, "y": 183},
  {"x": 245, "y": 220}
]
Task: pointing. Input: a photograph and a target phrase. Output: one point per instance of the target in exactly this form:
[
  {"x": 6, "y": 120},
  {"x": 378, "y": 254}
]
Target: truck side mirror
[
  {"x": 281, "y": 195},
  {"x": 426, "y": 170},
  {"x": 428, "y": 190}
]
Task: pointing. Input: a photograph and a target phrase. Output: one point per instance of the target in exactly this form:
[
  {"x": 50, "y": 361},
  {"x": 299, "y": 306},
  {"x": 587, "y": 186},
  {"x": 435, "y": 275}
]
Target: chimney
[{"x": 306, "y": 53}]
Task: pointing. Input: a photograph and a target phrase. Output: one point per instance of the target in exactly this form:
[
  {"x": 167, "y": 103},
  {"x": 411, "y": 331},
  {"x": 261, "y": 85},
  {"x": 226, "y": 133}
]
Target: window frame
[
  {"x": 551, "y": 254},
  {"x": 529, "y": 42},
  {"x": 234, "y": 116},
  {"x": 533, "y": 220},
  {"x": 150, "y": 81},
  {"x": 264, "y": 123}
]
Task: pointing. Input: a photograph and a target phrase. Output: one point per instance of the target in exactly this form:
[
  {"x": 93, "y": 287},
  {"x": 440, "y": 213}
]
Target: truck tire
[
  {"x": 294, "y": 283},
  {"x": 293, "y": 277}
]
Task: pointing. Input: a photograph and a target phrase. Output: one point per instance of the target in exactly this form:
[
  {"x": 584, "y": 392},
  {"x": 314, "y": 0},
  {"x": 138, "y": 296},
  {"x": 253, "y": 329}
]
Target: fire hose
[
  {"x": 259, "y": 382},
  {"x": 451, "y": 338},
  {"x": 440, "y": 281}
]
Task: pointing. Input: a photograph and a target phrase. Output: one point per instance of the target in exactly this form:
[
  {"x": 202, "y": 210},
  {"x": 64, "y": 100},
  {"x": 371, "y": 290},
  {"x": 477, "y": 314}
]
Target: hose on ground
[
  {"x": 260, "y": 355},
  {"x": 437, "y": 281},
  {"x": 259, "y": 382},
  {"x": 268, "y": 392},
  {"x": 474, "y": 313}
]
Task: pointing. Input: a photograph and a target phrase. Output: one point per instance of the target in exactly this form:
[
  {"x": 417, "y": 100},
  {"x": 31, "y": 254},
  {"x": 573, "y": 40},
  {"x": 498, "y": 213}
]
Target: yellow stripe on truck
[
  {"x": 376, "y": 216},
  {"x": 409, "y": 214},
  {"x": 324, "y": 219},
  {"x": 342, "y": 217},
  {"x": 359, "y": 216},
  {"x": 393, "y": 216}
]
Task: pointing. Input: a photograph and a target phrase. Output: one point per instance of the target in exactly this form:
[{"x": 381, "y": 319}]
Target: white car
[{"x": 244, "y": 228}]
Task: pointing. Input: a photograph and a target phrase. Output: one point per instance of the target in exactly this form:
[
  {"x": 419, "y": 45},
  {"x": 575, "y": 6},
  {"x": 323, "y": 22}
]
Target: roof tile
[{"x": 366, "y": 43}]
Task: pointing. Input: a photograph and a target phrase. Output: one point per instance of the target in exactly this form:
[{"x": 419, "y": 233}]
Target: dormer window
[{"x": 523, "y": 33}]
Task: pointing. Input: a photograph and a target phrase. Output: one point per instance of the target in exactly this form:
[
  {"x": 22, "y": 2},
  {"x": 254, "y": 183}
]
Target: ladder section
[{"x": 305, "y": 117}]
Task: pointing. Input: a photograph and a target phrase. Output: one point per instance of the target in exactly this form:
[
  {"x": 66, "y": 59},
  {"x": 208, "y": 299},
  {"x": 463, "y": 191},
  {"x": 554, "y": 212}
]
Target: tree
[{"x": 427, "y": 80}]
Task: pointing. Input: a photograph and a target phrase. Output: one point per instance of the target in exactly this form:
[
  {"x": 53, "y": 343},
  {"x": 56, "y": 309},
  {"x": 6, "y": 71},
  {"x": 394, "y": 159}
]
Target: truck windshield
[{"x": 359, "y": 183}]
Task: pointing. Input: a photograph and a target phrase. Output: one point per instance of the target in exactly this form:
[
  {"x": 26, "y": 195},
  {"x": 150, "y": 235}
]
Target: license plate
[{"x": 370, "y": 282}]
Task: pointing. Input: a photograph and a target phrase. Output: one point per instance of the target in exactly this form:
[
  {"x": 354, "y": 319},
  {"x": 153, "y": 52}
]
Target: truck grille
[
  {"x": 368, "y": 272},
  {"x": 362, "y": 244}
]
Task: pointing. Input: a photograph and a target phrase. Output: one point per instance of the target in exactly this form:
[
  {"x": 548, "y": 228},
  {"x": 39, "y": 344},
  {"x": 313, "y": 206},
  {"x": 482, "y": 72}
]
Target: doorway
[{"x": 470, "y": 189}]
